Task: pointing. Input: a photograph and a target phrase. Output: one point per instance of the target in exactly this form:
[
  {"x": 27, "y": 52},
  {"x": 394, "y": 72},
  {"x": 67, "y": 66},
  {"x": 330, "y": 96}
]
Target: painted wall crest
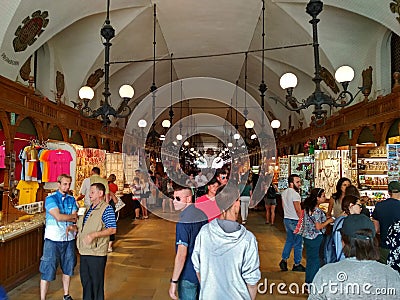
[{"x": 31, "y": 28}]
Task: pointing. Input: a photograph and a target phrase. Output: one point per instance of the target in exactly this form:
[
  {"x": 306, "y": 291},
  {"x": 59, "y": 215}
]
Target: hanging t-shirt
[
  {"x": 29, "y": 167},
  {"x": 59, "y": 162},
  {"x": 2, "y": 157},
  {"x": 43, "y": 157},
  {"x": 27, "y": 191}
]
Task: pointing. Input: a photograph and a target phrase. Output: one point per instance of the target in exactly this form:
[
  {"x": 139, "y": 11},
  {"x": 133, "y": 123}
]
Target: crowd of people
[
  {"x": 353, "y": 237},
  {"x": 214, "y": 248}
]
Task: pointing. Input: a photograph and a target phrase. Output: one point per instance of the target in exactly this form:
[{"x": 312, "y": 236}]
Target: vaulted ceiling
[{"x": 354, "y": 33}]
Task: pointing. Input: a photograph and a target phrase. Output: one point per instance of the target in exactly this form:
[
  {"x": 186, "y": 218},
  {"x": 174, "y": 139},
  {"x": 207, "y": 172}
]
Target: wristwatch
[{"x": 173, "y": 281}]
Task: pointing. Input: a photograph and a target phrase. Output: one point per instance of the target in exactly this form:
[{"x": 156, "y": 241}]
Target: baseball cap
[
  {"x": 394, "y": 187},
  {"x": 354, "y": 223}
]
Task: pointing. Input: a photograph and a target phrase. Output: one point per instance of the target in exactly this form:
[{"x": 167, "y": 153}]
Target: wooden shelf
[
  {"x": 361, "y": 172},
  {"x": 373, "y": 187}
]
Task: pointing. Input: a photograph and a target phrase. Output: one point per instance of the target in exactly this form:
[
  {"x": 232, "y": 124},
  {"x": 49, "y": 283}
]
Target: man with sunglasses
[
  {"x": 191, "y": 220},
  {"x": 222, "y": 176}
]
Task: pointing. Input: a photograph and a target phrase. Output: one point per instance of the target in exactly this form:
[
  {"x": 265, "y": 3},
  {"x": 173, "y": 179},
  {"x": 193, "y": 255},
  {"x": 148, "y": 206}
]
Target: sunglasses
[
  {"x": 223, "y": 177},
  {"x": 359, "y": 204},
  {"x": 177, "y": 198}
]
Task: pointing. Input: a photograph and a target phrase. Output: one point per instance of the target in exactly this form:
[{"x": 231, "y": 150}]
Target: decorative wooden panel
[{"x": 20, "y": 258}]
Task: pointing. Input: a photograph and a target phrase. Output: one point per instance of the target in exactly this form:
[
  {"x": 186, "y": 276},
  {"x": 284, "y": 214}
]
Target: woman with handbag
[{"x": 314, "y": 223}]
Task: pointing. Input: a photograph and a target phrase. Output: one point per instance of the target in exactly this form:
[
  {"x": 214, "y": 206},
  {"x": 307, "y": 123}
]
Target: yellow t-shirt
[{"x": 27, "y": 191}]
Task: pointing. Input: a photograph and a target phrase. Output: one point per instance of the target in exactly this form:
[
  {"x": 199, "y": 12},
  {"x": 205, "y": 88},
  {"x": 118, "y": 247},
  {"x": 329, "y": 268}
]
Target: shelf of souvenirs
[
  {"x": 374, "y": 187},
  {"x": 370, "y": 197},
  {"x": 376, "y": 181},
  {"x": 374, "y": 157},
  {"x": 373, "y": 166},
  {"x": 12, "y": 226},
  {"x": 373, "y": 173}
]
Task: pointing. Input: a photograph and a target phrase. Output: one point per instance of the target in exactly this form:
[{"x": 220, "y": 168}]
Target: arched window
[{"x": 395, "y": 54}]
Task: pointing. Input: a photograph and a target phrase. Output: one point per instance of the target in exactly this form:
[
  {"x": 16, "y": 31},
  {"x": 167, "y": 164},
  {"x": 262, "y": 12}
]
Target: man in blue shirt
[
  {"x": 190, "y": 222},
  {"x": 385, "y": 214},
  {"x": 59, "y": 246}
]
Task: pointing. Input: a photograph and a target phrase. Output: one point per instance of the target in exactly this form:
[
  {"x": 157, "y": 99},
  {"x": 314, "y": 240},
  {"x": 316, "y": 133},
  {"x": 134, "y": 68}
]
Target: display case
[
  {"x": 373, "y": 172},
  {"x": 11, "y": 227},
  {"x": 21, "y": 246}
]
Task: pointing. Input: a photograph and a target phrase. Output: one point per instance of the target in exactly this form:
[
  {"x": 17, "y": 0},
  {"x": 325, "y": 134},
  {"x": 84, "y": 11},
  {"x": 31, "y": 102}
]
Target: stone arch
[
  {"x": 92, "y": 142},
  {"x": 77, "y": 138},
  {"x": 343, "y": 139},
  {"x": 366, "y": 135},
  {"x": 55, "y": 133}
]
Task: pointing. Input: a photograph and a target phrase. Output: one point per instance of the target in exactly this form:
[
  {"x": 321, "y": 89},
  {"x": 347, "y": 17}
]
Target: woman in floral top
[{"x": 314, "y": 226}]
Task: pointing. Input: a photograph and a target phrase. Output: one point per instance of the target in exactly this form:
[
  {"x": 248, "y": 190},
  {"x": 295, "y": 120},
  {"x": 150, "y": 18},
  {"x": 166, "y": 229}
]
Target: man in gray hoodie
[{"x": 225, "y": 255}]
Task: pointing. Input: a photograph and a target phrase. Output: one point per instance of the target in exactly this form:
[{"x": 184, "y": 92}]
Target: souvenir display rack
[
  {"x": 283, "y": 173},
  {"x": 327, "y": 170},
  {"x": 115, "y": 165},
  {"x": 393, "y": 157},
  {"x": 304, "y": 167},
  {"x": 373, "y": 172},
  {"x": 86, "y": 160},
  {"x": 131, "y": 164},
  {"x": 349, "y": 164}
]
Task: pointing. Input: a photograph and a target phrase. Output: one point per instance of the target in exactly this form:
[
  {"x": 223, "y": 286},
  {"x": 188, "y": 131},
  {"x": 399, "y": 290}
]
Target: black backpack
[{"x": 271, "y": 192}]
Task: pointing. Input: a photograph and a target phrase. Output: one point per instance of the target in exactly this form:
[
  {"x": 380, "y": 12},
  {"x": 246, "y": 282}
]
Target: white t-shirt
[
  {"x": 288, "y": 197},
  {"x": 201, "y": 180}
]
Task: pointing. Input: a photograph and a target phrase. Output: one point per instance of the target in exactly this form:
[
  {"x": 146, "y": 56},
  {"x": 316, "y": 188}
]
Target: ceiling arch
[{"x": 348, "y": 34}]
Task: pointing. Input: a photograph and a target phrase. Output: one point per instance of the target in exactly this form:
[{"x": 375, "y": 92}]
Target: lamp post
[
  {"x": 126, "y": 91},
  {"x": 318, "y": 98},
  {"x": 142, "y": 124}
]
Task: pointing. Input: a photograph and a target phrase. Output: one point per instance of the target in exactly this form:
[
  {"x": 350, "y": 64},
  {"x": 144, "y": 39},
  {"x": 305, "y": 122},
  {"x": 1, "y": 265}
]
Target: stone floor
[{"x": 141, "y": 265}]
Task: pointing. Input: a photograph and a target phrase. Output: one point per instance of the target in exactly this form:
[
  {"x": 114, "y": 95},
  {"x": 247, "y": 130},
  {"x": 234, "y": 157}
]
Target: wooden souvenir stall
[{"x": 21, "y": 231}]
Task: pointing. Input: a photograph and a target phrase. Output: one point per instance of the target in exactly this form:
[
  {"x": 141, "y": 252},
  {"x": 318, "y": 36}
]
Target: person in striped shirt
[{"x": 94, "y": 228}]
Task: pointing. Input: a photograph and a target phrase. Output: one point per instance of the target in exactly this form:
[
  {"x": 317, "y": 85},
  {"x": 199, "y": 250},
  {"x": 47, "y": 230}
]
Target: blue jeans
[
  {"x": 313, "y": 260},
  {"x": 292, "y": 241},
  {"x": 188, "y": 290},
  {"x": 54, "y": 254}
]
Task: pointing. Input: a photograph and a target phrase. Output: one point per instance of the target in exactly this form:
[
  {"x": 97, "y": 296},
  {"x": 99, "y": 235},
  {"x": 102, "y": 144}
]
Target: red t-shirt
[
  {"x": 112, "y": 187},
  {"x": 209, "y": 207}
]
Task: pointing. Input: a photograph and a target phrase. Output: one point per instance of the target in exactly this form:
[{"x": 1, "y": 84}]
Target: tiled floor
[{"x": 141, "y": 265}]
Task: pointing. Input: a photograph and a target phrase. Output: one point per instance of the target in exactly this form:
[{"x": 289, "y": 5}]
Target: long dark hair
[
  {"x": 311, "y": 201},
  {"x": 338, "y": 193},
  {"x": 362, "y": 249},
  {"x": 347, "y": 200}
]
